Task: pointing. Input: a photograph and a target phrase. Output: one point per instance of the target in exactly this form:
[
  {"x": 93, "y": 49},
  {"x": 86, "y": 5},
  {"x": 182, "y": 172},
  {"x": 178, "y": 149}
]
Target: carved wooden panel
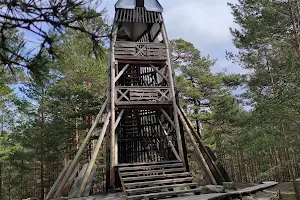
[
  {"x": 145, "y": 94},
  {"x": 137, "y": 50}
]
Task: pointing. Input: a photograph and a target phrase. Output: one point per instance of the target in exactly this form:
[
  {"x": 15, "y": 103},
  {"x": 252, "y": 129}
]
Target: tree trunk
[
  {"x": 42, "y": 191},
  {"x": 1, "y": 183},
  {"x": 76, "y": 127},
  {"x": 295, "y": 23}
]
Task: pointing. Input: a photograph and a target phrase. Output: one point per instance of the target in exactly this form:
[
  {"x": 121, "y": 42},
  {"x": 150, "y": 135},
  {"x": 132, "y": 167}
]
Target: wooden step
[
  {"x": 148, "y": 163},
  {"x": 164, "y": 194},
  {"x": 157, "y": 182},
  {"x": 149, "y": 172},
  {"x": 156, "y": 177},
  {"x": 162, "y": 187},
  {"x": 139, "y": 168}
]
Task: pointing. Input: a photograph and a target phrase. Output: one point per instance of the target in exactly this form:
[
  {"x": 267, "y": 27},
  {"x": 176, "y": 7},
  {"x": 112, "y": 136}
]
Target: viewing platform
[
  {"x": 142, "y": 95},
  {"x": 125, "y": 50}
]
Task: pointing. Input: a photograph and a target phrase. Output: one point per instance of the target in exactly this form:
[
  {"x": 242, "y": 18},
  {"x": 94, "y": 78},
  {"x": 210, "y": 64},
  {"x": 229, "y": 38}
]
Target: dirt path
[{"x": 286, "y": 192}]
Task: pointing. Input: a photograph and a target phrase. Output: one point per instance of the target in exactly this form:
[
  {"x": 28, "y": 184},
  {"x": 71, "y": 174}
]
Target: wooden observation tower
[{"x": 145, "y": 128}]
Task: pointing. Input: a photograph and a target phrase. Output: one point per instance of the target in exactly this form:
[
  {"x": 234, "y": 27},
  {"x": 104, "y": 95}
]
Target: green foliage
[
  {"x": 43, "y": 129},
  {"x": 268, "y": 45}
]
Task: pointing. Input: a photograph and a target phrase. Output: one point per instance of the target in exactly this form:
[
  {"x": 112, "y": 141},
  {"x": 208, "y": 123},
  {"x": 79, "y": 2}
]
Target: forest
[{"x": 50, "y": 94}]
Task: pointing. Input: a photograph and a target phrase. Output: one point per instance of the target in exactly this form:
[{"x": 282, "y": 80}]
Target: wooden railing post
[{"x": 112, "y": 104}]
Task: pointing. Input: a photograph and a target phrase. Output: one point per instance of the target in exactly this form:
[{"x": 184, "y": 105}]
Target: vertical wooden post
[
  {"x": 112, "y": 104},
  {"x": 107, "y": 159},
  {"x": 171, "y": 81}
]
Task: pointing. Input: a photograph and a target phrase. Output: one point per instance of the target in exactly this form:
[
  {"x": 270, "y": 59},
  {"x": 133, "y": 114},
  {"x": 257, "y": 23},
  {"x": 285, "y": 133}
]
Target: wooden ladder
[{"x": 165, "y": 179}]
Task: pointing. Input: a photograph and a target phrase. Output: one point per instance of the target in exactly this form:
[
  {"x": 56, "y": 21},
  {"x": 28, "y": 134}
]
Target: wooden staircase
[{"x": 156, "y": 180}]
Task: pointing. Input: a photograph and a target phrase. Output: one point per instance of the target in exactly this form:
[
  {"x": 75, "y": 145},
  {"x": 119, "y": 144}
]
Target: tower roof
[{"x": 150, "y": 5}]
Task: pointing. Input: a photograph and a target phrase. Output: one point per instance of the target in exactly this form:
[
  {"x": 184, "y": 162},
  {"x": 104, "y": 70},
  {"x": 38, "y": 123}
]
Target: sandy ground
[{"x": 286, "y": 193}]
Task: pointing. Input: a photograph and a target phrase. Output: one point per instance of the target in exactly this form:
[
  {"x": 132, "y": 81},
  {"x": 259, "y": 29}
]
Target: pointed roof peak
[{"x": 150, "y": 5}]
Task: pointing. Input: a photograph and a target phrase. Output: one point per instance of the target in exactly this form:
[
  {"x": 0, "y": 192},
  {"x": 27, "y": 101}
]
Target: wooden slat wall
[
  {"x": 137, "y": 15},
  {"x": 141, "y": 137}
]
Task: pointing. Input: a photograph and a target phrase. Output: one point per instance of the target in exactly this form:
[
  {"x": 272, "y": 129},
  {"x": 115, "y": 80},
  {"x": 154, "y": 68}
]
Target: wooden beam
[
  {"x": 168, "y": 117},
  {"x": 170, "y": 144},
  {"x": 107, "y": 159},
  {"x": 209, "y": 178},
  {"x": 202, "y": 147},
  {"x": 112, "y": 103},
  {"x": 58, "y": 180},
  {"x": 173, "y": 95},
  {"x": 121, "y": 72},
  {"x": 159, "y": 72},
  {"x": 119, "y": 117},
  {"x": 82, "y": 147},
  {"x": 116, "y": 141},
  {"x": 94, "y": 156}
]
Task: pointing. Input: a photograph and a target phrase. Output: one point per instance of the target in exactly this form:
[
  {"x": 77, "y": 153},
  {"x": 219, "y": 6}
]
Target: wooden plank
[
  {"x": 147, "y": 163},
  {"x": 153, "y": 58},
  {"x": 76, "y": 186},
  {"x": 210, "y": 161},
  {"x": 143, "y": 99},
  {"x": 209, "y": 178},
  {"x": 161, "y": 187},
  {"x": 90, "y": 182},
  {"x": 158, "y": 182},
  {"x": 123, "y": 47},
  {"x": 139, "y": 168},
  {"x": 125, "y": 44},
  {"x": 82, "y": 147},
  {"x": 205, "y": 197},
  {"x": 70, "y": 181},
  {"x": 144, "y": 93},
  {"x": 156, "y": 177},
  {"x": 121, "y": 72},
  {"x": 119, "y": 117},
  {"x": 129, "y": 52},
  {"x": 113, "y": 97},
  {"x": 164, "y": 194},
  {"x": 173, "y": 94},
  {"x": 168, "y": 117},
  {"x": 143, "y": 88},
  {"x": 142, "y": 103},
  {"x": 136, "y": 94},
  {"x": 142, "y": 63},
  {"x": 253, "y": 189},
  {"x": 94, "y": 155},
  {"x": 149, "y": 172},
  {"x": 160, "y": 73},
  {"x": 58, "y": 180},
  {"x": 134, "y": 44},
  {"x": 170, "y": 144}
]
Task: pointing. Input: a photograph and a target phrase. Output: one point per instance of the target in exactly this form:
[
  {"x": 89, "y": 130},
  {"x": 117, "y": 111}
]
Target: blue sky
[{"x": 205, "y": 23}]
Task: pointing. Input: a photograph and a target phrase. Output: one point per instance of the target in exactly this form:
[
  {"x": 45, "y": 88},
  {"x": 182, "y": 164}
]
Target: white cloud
[{"x": 205, "y": 23}]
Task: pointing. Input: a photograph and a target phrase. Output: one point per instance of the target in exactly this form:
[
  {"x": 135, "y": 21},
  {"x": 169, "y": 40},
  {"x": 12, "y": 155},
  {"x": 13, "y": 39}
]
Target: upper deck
[{"x": 125, "y": 50}]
